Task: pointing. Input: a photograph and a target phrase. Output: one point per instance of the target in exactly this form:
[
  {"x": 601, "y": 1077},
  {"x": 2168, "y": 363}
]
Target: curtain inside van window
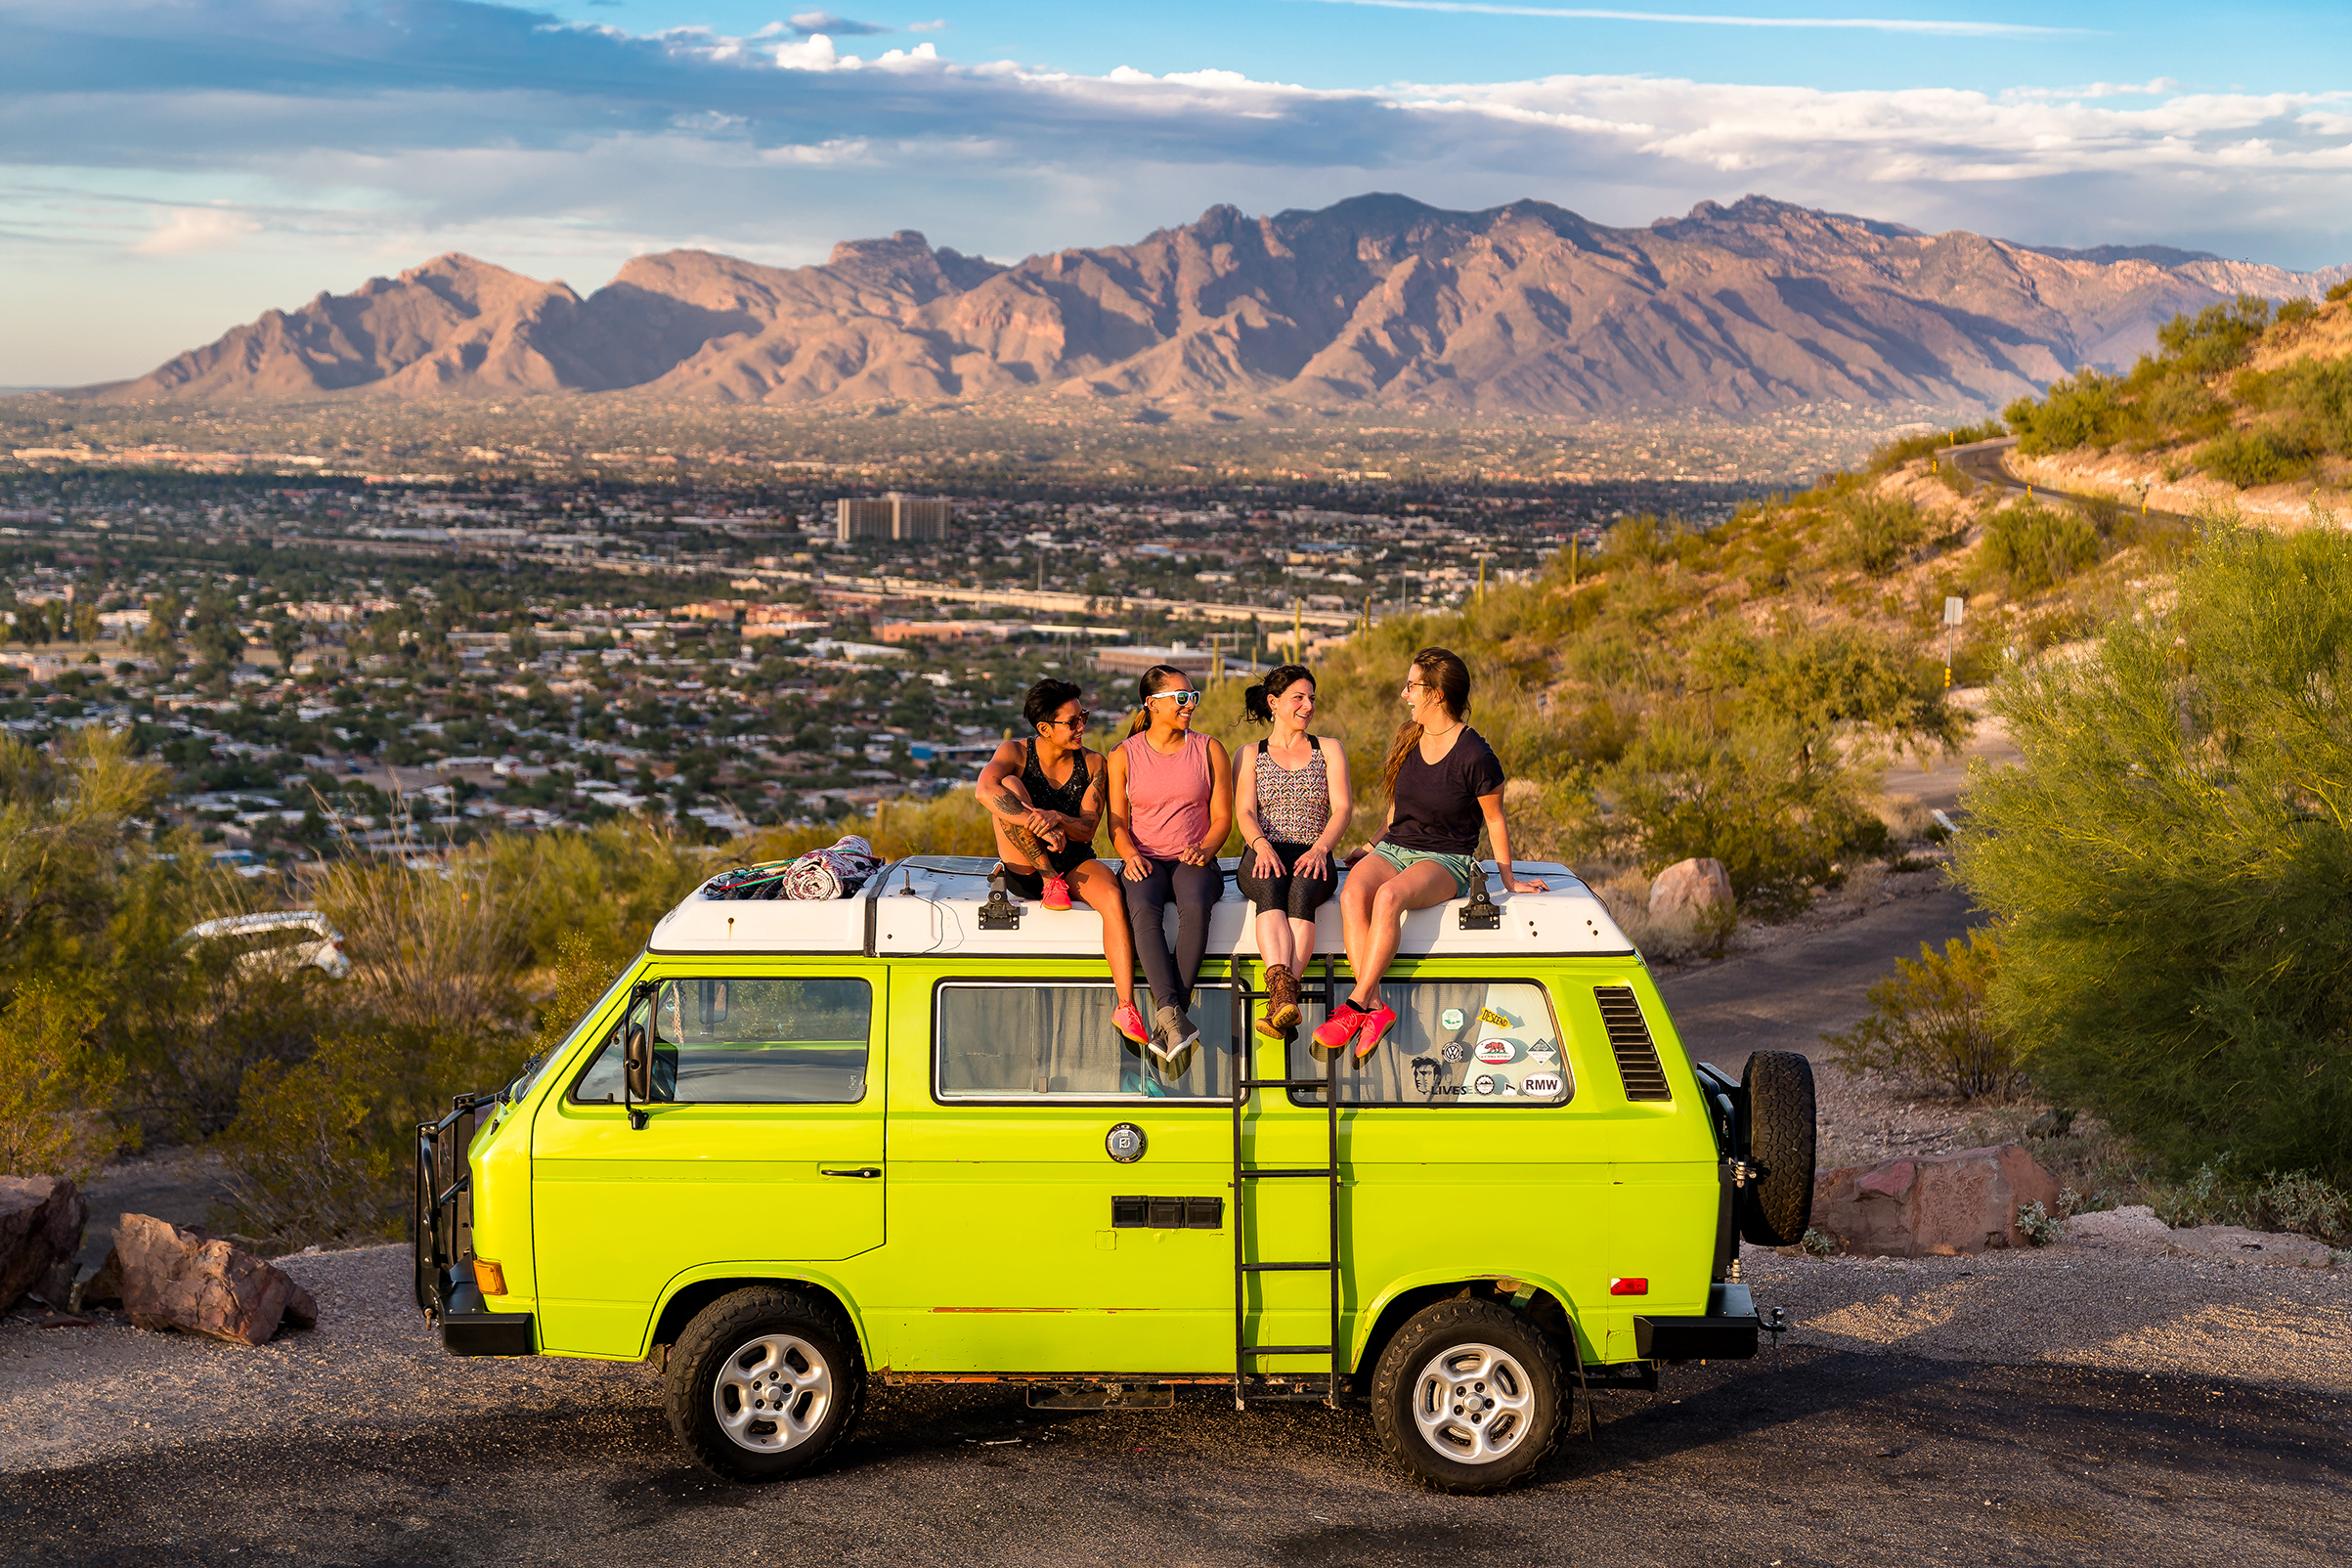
[{"x": 1022, "y": 1042}]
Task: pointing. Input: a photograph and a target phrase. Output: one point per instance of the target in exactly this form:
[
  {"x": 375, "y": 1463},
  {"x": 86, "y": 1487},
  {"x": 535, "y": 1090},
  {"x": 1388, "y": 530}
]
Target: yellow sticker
[{"x": 1486, "y": 1014}]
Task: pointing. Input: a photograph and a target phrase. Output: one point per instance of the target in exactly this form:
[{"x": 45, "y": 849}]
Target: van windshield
[{"x": 721, "y": 1041}]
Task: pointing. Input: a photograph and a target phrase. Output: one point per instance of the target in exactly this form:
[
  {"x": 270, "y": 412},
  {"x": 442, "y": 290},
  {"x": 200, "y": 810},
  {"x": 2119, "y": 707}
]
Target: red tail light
[{"x": 1629, "y": 1287}]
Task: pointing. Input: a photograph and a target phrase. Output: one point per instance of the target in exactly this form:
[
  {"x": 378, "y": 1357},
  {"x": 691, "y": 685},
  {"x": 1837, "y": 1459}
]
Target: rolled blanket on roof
[{"x": 836, "y": 872}]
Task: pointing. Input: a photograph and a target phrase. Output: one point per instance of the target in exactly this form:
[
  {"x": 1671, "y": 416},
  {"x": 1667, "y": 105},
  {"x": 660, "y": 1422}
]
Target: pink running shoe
[
  {"x": 1376, "y": 1024},
  {"x": 1335, "y": 1032},
  {"x": 1128, "y": 1021},
  {"x": 1056, "y": 893}
]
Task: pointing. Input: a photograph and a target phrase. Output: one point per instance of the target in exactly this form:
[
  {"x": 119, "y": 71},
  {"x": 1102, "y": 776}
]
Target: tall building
[{"x": 892, "y": 516}]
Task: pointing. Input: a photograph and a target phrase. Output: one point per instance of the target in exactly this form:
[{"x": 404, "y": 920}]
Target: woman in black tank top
[{"x": 1045, "y": 830}]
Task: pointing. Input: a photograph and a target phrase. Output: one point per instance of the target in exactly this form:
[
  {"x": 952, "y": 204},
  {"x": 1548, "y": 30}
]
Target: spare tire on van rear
[{"x": 1776, "y": 1135}]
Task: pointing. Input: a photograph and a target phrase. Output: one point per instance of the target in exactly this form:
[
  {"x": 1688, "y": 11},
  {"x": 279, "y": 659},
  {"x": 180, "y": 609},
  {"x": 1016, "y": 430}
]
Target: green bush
[
  {"x": 2083, "y": 410},
  {"x": 2299, "y": 1202},
  {"x": 1929, "y": 1021},
  {"x": 2217, "y": 339},
  {"x": 2250, "y": 457},
  {"x": 1872, "y": 534},
  {"x": 2168, "y": 863},
  {"x": 2340, "y": 293},
  {"x": 2031, "y": 548},
  {"x": 55, "y": 1087}
]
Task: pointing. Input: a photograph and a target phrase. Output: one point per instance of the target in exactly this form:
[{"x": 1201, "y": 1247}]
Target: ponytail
[{"x": 1258, "y": 701}]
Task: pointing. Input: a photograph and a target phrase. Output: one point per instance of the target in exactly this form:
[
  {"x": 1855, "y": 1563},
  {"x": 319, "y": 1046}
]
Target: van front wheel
[
  {"x": 763, "y": 1382},
  {"x": 1466, "y": 1397}
]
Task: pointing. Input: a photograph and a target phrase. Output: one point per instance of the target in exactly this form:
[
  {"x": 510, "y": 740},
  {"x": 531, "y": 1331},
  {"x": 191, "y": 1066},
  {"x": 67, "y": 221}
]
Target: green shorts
[{"x": 1466, "y": 871}]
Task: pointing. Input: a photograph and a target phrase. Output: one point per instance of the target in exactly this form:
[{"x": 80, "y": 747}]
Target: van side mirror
[{"x": 637, "y": 1071}]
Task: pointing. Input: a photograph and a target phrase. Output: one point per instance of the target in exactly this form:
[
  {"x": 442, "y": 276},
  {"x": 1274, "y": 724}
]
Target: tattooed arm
[{"x": 1030, "y": 831}]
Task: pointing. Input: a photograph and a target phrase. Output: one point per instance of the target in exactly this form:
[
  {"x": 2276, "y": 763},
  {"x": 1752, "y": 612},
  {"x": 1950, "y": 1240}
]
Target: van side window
[
  {"x": 748, "y": 1042},
  {"x": 1454, "y": 1043},
  {"x": 1056, "y": 1042}
]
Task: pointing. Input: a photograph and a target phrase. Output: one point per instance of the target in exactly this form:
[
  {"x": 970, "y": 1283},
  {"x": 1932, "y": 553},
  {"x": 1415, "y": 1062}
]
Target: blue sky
[{"x": 168, "y": 167}]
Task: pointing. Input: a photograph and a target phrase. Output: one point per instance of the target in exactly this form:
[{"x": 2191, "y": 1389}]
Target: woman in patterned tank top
[{"x": 1292, "y": 794}]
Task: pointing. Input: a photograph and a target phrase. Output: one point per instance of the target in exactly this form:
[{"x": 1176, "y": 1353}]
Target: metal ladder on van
[{"x": 1247, "y": 1384}]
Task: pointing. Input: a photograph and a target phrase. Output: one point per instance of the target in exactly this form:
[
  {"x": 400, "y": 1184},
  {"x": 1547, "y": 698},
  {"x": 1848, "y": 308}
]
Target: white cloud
[
  {"x": 1944, "y": 28},
  {"x": 194, "y": 230}
]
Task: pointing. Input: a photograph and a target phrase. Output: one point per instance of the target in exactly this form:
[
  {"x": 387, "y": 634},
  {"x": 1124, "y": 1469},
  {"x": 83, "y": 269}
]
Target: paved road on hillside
[
  {"x": 1985, "y": 461},
  {"x": 1799, "y": 1456}
]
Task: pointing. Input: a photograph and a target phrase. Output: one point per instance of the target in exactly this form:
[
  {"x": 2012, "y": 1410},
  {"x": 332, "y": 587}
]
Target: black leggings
[
  {"x": 1192, "y": 889},
  {"x": 1289, "y": 892}
]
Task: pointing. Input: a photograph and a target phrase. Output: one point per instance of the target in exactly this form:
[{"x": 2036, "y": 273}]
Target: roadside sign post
[{"x": 1954, "y": 607}]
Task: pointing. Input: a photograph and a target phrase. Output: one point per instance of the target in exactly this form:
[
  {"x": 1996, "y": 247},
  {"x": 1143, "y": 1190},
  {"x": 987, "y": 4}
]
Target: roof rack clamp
[
  {"x": 999, "y": 913},
  {"x": 1480, "y": 912}
]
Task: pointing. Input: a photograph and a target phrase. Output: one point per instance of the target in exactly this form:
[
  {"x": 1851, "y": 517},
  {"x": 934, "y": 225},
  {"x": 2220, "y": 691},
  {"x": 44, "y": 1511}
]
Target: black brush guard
[{"x": 442, "y": 1235}]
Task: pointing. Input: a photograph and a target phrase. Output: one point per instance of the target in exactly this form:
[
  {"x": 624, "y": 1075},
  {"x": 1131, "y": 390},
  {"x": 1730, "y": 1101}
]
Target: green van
[{"x": 802, "y": 1146}]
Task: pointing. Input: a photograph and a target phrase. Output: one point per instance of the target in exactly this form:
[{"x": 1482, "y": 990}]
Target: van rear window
[
  {"x": 1453, "y": 1044},
  {"x": 748, "y": 1042},
  {"x": 1056, "y": 1042}
]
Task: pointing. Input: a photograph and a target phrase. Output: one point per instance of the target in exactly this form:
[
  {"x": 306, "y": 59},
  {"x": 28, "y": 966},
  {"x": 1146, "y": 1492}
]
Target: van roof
[{"x": 932, "y": 905}]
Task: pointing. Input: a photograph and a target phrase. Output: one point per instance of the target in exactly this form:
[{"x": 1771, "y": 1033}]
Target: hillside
[
  {"x": 2240, "y": 408},
  {"x": 1377, "y": 303}
]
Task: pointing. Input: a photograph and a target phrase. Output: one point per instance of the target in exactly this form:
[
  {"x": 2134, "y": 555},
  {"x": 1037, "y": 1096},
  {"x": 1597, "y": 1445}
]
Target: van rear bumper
[
  {"x": 1725, "y": 1332},
  {"x": 467, "y": 1329}
]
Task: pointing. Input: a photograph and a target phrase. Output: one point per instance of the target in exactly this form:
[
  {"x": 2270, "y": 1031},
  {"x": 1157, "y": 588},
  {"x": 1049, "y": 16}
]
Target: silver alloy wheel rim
[
  {"x": 1473, "y": 1403},
  {"x": 773, "y": 1393}
]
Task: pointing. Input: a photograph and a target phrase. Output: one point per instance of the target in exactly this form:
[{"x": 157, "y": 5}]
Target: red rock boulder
[
  {"x": 41, "y": 1219},
  {"x": 1686, "y": 890},
  {"x": 1932, "y": 1205},
  {"x": 169, "y": 1277}
]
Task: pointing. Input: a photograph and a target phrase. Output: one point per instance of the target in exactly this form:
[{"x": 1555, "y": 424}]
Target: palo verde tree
[{"x": 2170, "y": 864}]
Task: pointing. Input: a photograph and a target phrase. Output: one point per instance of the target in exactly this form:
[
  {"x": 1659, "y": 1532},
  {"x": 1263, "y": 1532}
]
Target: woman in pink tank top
[{"x": 1172, "y": 806}]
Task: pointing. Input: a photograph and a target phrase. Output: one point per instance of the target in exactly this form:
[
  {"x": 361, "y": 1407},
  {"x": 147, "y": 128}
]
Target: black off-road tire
[
  {"x": 1776, "y": 1133},
  {"x": 727, "y": 1330},
  {"x": 1397, "y": 1386}
]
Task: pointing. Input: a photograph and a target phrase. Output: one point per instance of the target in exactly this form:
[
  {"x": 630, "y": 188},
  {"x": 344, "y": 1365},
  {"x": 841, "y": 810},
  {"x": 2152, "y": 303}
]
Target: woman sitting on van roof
[
  {"x": 1444, "y": 783},
  {"x": 1172, "y": 804},
  {"x": 1291, "y": 791},
  {"x": 1045, "y": 796}
]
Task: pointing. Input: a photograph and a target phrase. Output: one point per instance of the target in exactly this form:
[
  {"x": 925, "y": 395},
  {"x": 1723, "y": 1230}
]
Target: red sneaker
[
  {"x": 1128, "y": 1021},
  {"x": 1056, "y": 893},
  {"x": 1376, "y": 1024},
  {"x": 1335, "y": 1031}
]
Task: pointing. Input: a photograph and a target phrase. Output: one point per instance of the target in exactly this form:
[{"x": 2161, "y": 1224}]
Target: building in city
[
  {"x": 1129, "y": 663},
  {"x": 892, "y": 516}
]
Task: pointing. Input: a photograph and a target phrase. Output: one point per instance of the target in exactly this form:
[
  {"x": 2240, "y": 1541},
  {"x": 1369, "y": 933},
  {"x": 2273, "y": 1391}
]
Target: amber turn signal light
[
  {"x": 493, "y": 1279},
  {"x": 1617, "y": 1288}
]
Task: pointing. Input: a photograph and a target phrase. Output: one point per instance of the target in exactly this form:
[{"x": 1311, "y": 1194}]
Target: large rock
[
  {"x": 169, "y": 1277},
  {"x": 41, "y": 1219},
  {"x": 1688, "y": 890},
  {"x": 1932, "y": 1204}
]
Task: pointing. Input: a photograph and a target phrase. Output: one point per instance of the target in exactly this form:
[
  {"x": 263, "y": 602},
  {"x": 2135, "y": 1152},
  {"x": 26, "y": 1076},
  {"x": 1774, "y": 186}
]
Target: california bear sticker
[{"x": 1498, "y": 1053}]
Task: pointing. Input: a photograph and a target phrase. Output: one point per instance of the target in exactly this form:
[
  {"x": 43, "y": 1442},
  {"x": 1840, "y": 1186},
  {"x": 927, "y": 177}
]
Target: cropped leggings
[{"x": 1193, "y": 890}]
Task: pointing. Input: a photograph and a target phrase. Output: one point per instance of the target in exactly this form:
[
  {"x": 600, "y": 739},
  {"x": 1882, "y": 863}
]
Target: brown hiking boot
[{"x": 1282, "y": 1005}]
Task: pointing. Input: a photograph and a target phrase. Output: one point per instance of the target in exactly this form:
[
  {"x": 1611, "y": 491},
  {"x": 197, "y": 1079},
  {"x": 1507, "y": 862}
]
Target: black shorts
[
  {"x": 1031, "y": 884},
  {"x": 1294, "y": 894}
]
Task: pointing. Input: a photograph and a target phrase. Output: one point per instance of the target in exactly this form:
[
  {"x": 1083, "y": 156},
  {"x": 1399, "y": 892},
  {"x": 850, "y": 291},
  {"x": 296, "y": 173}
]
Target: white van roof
[{"x": 933, "y": 904}]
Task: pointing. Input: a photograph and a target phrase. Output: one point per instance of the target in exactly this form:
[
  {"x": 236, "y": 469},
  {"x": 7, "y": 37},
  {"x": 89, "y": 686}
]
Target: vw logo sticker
[{"x": 1124, "y": 1143}]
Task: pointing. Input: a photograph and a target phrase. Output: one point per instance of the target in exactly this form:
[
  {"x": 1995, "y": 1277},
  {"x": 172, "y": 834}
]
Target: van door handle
[{"x": 862, "y": 1173}]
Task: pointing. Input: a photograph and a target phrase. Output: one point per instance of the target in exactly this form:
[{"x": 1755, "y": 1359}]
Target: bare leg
[
  {"x": 1274, "y": 938},
  {"x": 1094, "y": 882},
  {"x": 1302, "y": 945},
  {"x": 1426, "y": 883},
  {"x": 1365, "y": 879}
]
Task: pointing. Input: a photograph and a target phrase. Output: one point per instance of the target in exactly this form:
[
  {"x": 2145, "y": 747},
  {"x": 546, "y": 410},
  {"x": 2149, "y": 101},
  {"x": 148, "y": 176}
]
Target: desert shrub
[
  {"x": 2340, "y": 293},
  {"x": 2299, "y": 1202},
  {"x": 2249, "y": 457},
  {"x": 2080, "y": 410},
  {"x": 1873, "y": 533},
  {"x": 318, "y": 1154},
  {"x": 2172, "y": 407},
  {"x": 2216, "y": 339},
  {"x": 2296, "y": 312},
  {"x": 1929, "y": 1021},
  {"x": 2315, "y": 395},
  {"x": 55, "y": 1085},
  {"x": 2031, "y": 548},
  {"x": 2168, "y": 863}
]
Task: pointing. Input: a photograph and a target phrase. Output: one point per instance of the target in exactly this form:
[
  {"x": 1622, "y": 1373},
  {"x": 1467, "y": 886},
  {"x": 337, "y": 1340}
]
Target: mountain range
[{"x": 1378, "y": 302}]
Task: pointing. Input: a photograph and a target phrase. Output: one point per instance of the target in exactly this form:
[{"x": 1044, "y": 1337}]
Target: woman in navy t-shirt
[{"x": 1445, "y": 784}]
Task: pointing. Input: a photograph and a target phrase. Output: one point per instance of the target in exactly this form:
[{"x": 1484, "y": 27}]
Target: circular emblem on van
[
  {"x": 1484, "y": 1083},
  {"x": 1455, "y": 1051},
  {"x": 1124, "y": 1143},
  {"x": 1451, "y": 1017}
]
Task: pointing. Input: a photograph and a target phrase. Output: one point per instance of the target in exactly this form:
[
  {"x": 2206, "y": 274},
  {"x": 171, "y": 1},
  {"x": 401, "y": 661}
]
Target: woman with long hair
[
  {"x": 1444, "y": 784},
  {"x": 1292, "y": 793},
  {"x": 1172, "y": 804},
  {"x": 1045, "y": 797}
]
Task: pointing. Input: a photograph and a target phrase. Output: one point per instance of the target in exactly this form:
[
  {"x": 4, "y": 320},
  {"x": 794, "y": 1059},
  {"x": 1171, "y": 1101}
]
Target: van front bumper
[
  {"x": 467, "y": 1329},
  {"x": 1726, "y": 1332}
]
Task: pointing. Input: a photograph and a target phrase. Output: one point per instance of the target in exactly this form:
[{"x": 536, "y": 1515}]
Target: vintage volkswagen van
[{"x": 801, "y": 1146}]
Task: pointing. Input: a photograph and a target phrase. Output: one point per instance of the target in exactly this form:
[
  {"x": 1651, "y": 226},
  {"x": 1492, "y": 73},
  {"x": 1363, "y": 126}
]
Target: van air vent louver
[{"x": 1630, "y": 1039}]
